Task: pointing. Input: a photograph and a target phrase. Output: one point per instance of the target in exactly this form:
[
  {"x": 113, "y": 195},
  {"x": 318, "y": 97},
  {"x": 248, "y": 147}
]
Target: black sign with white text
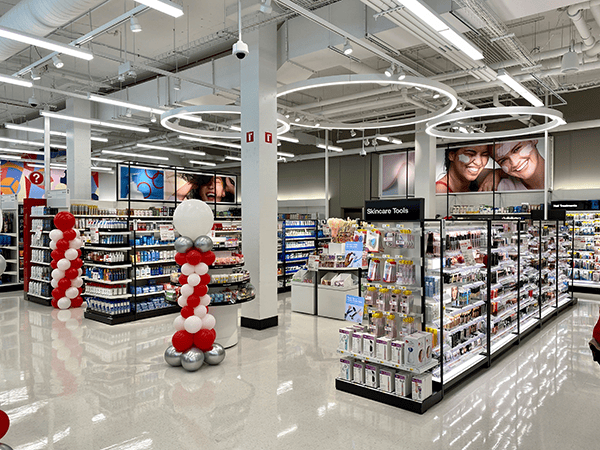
[{"x": 410, "y": 209}]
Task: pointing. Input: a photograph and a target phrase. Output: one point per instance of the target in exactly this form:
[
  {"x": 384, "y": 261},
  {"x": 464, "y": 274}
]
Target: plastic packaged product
[
  {"x": 389, "y": 239},
  {"x": 372, "y": 243},
  {"x": 400, "y": 239},
  {"x": 391, "y": 326},
  {"x": 371, "y": 296},
  {"x": 406, "y": 303},
  {"x": 395, "y": 298},
  {"x": 383, "y": 300},
  {"x": 389, "y": 271},
  {"x": 378, "y": 325},
  {"x": 373, "y": 272}
]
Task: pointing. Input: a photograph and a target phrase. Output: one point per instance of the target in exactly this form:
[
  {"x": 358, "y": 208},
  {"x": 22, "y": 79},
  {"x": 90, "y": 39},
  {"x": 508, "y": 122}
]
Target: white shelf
[
  {"x": 105, "y": 249},
  {"x": 430, "y": 365},
  {"x": 10, "y": 234},
  {"x": 106, "y": 281},
  {"x": 110, "y": 233},
  {"x": 455, "y": 371},
  {"x": 155, "y": 245},
  {"x": 153, "y": 277},
  {"x": 106, "y": 266},
  {"x": 109, "y": 297},
  {"x": 40, "y": 263},
  {"x": 42, "y": 248},
  {"x": 146, "y": 263},
  {"x": 150, "y": 293},
  {"x": 39, "y": 279}
]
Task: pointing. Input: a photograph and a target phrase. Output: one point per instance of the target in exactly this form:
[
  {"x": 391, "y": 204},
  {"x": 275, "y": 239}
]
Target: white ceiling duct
[{"x": 40, "y": 17}]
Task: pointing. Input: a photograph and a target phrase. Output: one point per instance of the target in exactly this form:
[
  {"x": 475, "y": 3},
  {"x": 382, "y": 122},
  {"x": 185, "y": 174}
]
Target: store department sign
[
  {"x": 412, "y": 209},
  {"x": 573, "y": 205}
]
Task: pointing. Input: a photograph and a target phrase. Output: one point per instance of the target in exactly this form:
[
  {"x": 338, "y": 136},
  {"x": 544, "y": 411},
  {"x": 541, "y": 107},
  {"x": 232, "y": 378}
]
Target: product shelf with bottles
[
  {"x": 297, "y": 239},
  {"x": 9, "y": 244}
]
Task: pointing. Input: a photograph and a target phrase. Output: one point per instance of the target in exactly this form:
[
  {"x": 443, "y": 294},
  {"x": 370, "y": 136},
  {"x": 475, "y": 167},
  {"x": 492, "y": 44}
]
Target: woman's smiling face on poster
[
  {"x": 518, "y": 159},
  {"x": 470, "y": 161}
]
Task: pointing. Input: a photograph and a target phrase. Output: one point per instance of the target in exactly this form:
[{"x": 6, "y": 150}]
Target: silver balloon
[
  {"x": 203, "y": 243},
  {"x": 172, "y": 356},
  {"x": 183, "y": 244},
  {"x": 192, "y": 360},
  {"x": 2, "y": 264},
  {"x": 5, "y": 447},
  {"x": 215, "y": 355}
]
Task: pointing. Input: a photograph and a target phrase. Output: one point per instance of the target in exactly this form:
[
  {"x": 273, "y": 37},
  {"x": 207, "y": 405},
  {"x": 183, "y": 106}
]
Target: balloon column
[
  {"x": 4, "y": 425},
  {"x": 194, "y": 340},
  {"x": 66, "y": 262}
]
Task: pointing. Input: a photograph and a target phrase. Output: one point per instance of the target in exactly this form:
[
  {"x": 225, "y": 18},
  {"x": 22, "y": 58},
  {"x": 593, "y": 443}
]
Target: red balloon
[
  {"x": 193, "y": 301},
  {"x": 4, "y": 423},
  {"x": 204, "y": 339},
  {"x": 57, "y": 293},
  {"x": 183, "y": 279},
  {"x": 54, "y": 303},
  {"x": 64, "y": 221},
  {"x": 187, "y": 311},
  {"x": 79, "y": 253},
  {"x": 53, "y": 264},
  {"x": 57, "y": 254},
  {"x": 193, "y": 257},
  {"x": 76, "y": 264},
  {"x": 77, "y": 302},
  {"x": 69, "y": 235},
  {"x": 205, "y": 279},
  {"x": 62, "y": 244},
  {"x": 208, "y": 258},
  {"x": 201, "y": 290},
  {"x": 180, "y": 258},
  {"x": 182, "y": 341},
  {"x": 64, "y": 283},
  {"x": 71, "y": 273}
]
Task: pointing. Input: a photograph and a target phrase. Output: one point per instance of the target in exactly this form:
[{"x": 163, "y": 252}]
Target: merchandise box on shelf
[{"x": 10, "y": 237}]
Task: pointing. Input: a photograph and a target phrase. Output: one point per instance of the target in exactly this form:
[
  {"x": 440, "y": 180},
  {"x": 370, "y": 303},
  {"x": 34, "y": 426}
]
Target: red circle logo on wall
[{"x": 36, "y": 178}]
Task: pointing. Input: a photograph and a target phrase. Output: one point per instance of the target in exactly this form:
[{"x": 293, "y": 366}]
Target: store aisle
[{"x": 87, "y": 386}]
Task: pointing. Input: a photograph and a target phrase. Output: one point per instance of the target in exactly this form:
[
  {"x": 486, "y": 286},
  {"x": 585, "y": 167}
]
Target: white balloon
[
  {"x": 194, "y": 279},
  {"x": 182, "y": 301},
  {"x": 187, "y": 269},
  {"x": 64, "y": 303},
  {"x": 58, "y": 274},
  {"x": 208, "y": 322},
  {"x": 193, "y": 218},
  {"x": 72, "y": 324},
  {"x": 77, "y": 282},
  {"x": 77, "y": 233},
  {"x": 75, "y": 243},
  {"x": 72, "y": 292},
  {"x": 71, "y": 254},
  {"x": 63, "y": 316},
  {"x": 178, "y": 323},
  {"x": 63, "y": 264},
  {"x": 201, "y": 269},
  {"x": 56, "y": 235},
  {"x": 205, "y": 300},
  {"x": 52, "y": 245},
  {"x": 187, "y": 290},
  {"x": 193, "y": 324},
  {"x": 63, "y": 353},
  {"x": 79, "y": 272},
  {"x": 54, "y": 282},
  {"x": 200, "y": 311}
]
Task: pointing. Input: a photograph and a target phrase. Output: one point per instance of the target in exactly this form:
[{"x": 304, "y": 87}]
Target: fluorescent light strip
[
  {"x": 11, "y": 158},
  {"x": 171, "y": 149},
  {"x": 124, "y": 104},
  {"x": 519, "y": 88},
  {"x": 37, "y": 41},
  {"x": 288, "y": 139},
  {"x": 164, "y": 6},
  {"x": 15, "y": 80},
  {"x": 95, "y": 122},
  {"x": 462, "y": 44},
  {"x": 333, "y": 148},
  {"x": 102, "y": 169},
  {"x": 204, "y": 163},
  {"x": 52, "y": 166},
  {"x": 233, "y": 158},
  {"x": 135, "y": 155},
  {"x": 15, "y": 150},
  {"x": 31, "y": 143},
  {"x": 287, "y": 155},
  {"x": 424, "y": 13},
  {"x": 389, "y": 139},
  {"x": 113, "y": 161},
  {"x": 209, "y": 141},
  {"x": 12, "y": 126}
]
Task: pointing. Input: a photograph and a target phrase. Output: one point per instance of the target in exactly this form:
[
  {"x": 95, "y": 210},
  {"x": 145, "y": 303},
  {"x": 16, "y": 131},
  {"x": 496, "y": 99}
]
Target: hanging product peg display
[
  {"x": 66, "y": 262},
  {"x": 194, "y": 341}
]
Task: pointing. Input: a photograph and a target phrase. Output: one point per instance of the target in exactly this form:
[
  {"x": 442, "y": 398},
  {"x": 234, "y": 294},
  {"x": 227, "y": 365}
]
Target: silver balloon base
[
  {"x": 193, "y": 359},
  {"x": 5, "y": 447}
]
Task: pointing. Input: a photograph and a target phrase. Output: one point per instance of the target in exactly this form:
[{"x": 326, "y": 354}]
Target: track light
[
  {"x": 570, "y": 60},
  {"x": 266, "y": 7},
  {"x": 35, "y": 74},
  {"x": 177, "y": 84},
  {"x": 436, "y": 95},
  {"x": 128, "y": 112},
  {"x": 297, "y": 119},
  {"x": 134, "y": 25},
  {"x": 352, "y": 133},
  {"x": 347, "y": 48},
  {"x": 153, "y": 118},
  {"x": 317, "y": 124},
  {"x": 401, "y": 75},
  {"x": 58, "y": 63},
  {"x": 390, "y": 71}
]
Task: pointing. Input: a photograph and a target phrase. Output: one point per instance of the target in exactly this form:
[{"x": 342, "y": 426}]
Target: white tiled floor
[{"x": 84, "y": 385}]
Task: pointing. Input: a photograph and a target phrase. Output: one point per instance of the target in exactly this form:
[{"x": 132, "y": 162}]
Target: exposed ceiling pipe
[
  {"x": 346, "y": 98},
  {"x": 542, "y": 56},
  {"x": 39, "y": 17},
  {"x": 575, "y": 13}
]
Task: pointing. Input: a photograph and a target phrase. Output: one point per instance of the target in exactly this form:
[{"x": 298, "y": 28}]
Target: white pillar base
[{"x": 227, "y": 327}]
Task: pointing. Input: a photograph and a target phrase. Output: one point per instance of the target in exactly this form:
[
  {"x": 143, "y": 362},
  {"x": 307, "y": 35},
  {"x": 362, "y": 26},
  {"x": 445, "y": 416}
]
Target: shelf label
[
  {"x": 167, "y": 232},
  {"x": 354, "y": 308},
  {"x": 94, "y": 235}
]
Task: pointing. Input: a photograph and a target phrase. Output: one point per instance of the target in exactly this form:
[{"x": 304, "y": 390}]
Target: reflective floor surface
[{"x": 78, "y": 384}]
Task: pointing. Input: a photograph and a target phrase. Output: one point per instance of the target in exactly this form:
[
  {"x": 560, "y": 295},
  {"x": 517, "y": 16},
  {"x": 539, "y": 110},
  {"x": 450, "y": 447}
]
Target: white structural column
[
  {"x": 259, "y": 174},
  {"x": 79, "y": 150},
  {"x": 425, "y": 154}
]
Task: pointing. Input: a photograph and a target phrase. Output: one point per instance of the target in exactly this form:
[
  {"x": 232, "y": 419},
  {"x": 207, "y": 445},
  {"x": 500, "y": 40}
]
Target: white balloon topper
[{"x": 193, "y": 218}]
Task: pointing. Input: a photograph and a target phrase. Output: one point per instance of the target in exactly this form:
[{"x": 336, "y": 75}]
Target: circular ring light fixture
[
  {"x": 172, "y": 120},
  {"x": 368, "y": 79},
  {"x": 555, "y": 119}
]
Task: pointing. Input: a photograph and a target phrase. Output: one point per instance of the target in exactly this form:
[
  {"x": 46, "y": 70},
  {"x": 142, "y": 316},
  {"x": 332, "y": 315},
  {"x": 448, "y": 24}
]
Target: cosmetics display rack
[
  {"x": 9, "y": 248},
  {"x": 296, "y": 240},
  {"x": 584, "y": 227},
  {"x": 38, "y": 222}
]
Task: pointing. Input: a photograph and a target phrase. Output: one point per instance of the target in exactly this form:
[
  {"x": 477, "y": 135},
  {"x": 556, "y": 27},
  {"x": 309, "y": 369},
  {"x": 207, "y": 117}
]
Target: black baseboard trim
[{"x": 259, "y": 324}]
